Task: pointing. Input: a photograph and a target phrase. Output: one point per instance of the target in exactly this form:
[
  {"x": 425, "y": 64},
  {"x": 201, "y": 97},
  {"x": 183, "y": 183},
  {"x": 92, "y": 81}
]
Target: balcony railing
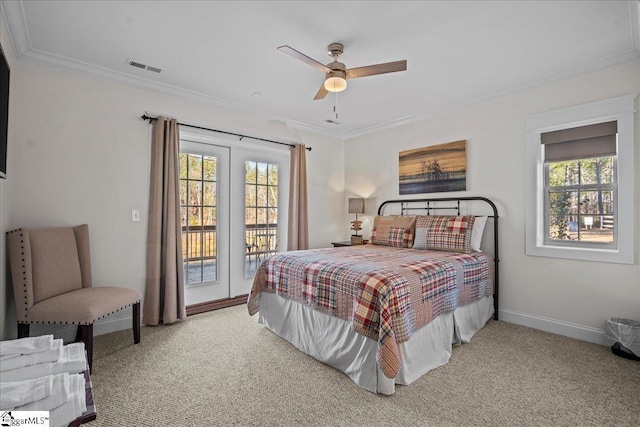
[{"x": 199, "y": 250}]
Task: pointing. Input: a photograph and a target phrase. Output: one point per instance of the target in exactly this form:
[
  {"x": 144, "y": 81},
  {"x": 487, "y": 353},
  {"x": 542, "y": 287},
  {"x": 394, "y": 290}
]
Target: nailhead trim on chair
[
  {"x": 24, "y": 275},
  {"x": 24, "y": 269},
  {"x": 78, "y": 323}
]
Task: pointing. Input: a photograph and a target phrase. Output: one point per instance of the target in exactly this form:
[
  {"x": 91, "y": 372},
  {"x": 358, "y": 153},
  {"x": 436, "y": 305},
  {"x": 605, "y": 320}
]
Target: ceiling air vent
[
  {"x": 144, "y": 66},
  {"x": 333, "y": 122},
  {"x": 137, "y": 64}
]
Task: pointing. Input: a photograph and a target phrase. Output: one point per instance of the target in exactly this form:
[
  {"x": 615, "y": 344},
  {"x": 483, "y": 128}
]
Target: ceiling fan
[{"x": 336, "y": 72}]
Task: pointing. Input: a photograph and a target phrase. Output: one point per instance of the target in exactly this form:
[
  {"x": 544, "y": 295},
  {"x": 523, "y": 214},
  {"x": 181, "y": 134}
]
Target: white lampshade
[{"x": 335, "y": 84}]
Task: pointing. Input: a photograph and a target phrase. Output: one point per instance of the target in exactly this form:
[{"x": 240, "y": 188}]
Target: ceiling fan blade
[
  {"x": 322, "y": 92},
  {"x": 304, "y": 58},
  {"x": 371, "y": 70}
]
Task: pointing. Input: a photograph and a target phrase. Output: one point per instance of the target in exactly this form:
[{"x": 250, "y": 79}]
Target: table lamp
[{"x": 356, "y": 206}]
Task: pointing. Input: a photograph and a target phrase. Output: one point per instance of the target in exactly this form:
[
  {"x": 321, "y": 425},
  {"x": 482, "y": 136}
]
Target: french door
[{"x": 233, "y": 203}]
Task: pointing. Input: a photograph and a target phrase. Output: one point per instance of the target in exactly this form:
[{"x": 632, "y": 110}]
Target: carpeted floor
[{"x": 223, "y": 368}]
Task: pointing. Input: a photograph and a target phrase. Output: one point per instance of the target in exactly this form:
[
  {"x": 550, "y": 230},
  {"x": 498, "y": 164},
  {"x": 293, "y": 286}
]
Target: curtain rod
[{"x": 147, "y": 117}]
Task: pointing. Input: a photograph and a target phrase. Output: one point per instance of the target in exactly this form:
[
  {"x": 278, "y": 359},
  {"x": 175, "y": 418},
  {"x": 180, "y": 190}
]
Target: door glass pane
[
  {"x": 194, "y": 198},
  {"x": 209, "y": 194},
  {"x": 261, "y": 213},
  {"x": 250, "y": 195},
  {"x": 261, "y": 191},
  {"x": 208, "y": 216},
  {"x": 183, "y": 192},
  {"x": 250, "y": 172},
  {"x": 194, "y": 167},
  {"x": 273, "y": 215},
  {"x": 209, "y": 168},
  {"x": 272, "y": 197},
  {"x": 273, "y": 175},
  {"x": 198, "y": 210},
  {"x": 194, "y": 217},
  {"x": 194, "y": 268},
  {"x": 262, "y": 173}
]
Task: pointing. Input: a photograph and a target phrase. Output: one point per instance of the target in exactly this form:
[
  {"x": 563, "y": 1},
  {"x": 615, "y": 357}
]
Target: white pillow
[{"x": 476, "y": 233}]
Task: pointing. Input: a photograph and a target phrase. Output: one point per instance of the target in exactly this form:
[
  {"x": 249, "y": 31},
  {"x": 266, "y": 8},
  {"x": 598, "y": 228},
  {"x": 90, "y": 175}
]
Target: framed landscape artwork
[{"x": 434, "y": 169}]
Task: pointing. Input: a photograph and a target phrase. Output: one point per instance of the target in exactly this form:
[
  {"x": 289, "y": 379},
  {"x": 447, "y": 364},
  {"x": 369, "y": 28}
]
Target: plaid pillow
[
  {"x": 458, "y": 224},
  {"x": 444, "y": 233},
  {"x": 396, "y": 231},
  {"x": 400, "y": 237}
]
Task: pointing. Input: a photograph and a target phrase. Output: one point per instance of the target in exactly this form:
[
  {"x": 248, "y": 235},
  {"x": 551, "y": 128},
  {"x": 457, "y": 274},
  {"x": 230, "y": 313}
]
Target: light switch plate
[{"x": 135, "y": 215}]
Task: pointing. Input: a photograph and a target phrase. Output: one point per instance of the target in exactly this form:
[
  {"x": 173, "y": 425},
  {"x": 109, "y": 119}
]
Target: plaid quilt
[{"x": 386, "y": 293}]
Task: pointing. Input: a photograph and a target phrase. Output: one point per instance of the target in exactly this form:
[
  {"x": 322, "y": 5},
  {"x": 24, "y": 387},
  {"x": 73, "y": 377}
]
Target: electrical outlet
[{"x": 135, "y": 215}]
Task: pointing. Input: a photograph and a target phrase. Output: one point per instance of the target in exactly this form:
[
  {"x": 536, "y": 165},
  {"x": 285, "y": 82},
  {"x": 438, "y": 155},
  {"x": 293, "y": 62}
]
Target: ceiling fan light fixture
[
  {"x": 335, "y": 84},
  {"x": 336, "y": 76}
]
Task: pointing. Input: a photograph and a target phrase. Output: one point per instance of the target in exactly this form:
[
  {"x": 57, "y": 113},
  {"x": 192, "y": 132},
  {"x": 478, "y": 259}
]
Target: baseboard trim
[
  {"x": 558, "y": 327},
  {"x": 216, "y": 305}
]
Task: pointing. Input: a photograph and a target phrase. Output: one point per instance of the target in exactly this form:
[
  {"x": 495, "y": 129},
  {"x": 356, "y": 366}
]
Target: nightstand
[{"x": 345, "y": 243}]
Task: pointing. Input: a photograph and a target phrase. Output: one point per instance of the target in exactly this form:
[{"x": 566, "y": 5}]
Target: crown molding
[
  {"x": 634, "y": 17},
  {"x": 13, "y": 12}
]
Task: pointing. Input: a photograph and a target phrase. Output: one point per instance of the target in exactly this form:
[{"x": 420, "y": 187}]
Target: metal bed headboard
[{"x": 407, "y": 205}]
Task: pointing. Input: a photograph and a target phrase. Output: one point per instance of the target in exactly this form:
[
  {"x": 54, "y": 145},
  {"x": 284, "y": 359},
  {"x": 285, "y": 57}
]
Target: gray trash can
[{"x": 626, "y": 332}]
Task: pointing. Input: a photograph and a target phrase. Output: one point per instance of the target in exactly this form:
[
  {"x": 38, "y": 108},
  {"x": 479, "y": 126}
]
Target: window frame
[{"x": 620, "y": 109}]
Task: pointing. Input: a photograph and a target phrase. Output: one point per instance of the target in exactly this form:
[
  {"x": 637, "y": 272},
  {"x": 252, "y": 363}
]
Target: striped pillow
[
  {"x": 395, "y": 230},
  {"x": 444, "y": 233}
]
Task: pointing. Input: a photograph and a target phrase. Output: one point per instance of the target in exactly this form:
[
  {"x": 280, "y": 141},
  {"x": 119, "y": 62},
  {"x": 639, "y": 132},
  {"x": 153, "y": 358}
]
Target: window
[
  {"x": 261, "y": 212},
  {"x": 580, "y": 190},
  {"x": 580, "y": 182},
  {"x": 198, "y": 215}
]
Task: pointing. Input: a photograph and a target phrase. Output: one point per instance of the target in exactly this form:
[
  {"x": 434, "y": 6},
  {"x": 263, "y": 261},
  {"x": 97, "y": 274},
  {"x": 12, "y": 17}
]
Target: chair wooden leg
[
  {"x": 23, "y": 330},
  {"x": 85, "y": 333},
  {"x": 136, "y": 323}
]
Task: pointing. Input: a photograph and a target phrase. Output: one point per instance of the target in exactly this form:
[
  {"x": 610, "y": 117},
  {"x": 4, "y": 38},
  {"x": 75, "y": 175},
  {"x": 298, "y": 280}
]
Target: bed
[{"x": 388, "y": 312}]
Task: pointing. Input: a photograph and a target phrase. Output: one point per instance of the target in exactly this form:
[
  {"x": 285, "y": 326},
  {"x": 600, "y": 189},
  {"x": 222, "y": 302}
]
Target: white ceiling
[{"x": 224, "y": 52}]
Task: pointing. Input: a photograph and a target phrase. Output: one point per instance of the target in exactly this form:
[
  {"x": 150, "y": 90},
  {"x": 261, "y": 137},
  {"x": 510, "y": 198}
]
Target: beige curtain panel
[
  {"x": 298, "y": 230},
  {"x": 164, "y": 291}
]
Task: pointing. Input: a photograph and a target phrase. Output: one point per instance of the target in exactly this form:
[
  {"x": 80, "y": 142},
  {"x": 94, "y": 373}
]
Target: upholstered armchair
[{"x": 51, "y": 274}]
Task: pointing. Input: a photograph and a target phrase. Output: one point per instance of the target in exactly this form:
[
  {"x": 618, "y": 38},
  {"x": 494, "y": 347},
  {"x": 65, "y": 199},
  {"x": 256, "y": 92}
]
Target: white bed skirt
[{"x": 331, "y": 340}]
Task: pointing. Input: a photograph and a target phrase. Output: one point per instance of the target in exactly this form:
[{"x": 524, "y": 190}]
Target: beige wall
[
  {"x": 564, "y": 296},
  {"x": 79, "y": 153}
]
